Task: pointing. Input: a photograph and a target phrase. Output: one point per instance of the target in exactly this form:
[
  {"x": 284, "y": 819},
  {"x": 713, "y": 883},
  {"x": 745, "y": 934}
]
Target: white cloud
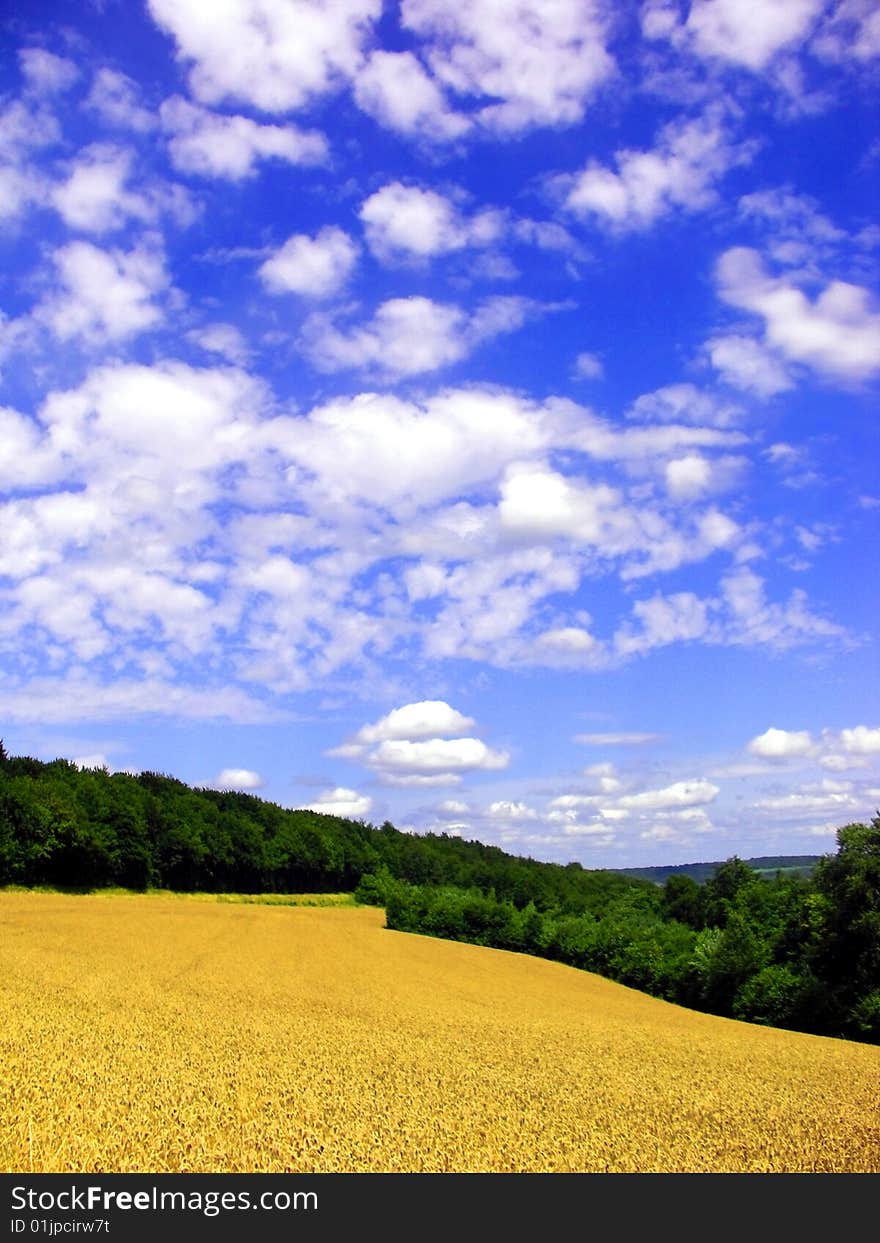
[
  {"x": 503, "y": 810},
  {"x": 681, "y": 172},
  {"x": 851, "y": 32},
  {"x": 860, "y": 740},
  {"x": 347, "y": 804},
  {"x": 409, "y": 336},
  {"x": 612, "y": 738},
  {"x": 105, "y": 295},
  {"x": 149, "y": 523},
  {"x": 98, "y": 760},
  {"x": 429, "y": 718},
  {"x": 688, "y": 477},
  {"x": 25, "y": 128},
  {"x": 116, "y": 100},
  {"x": 434, "y": 761},
  {"x": 684, "y": 403},
  {"x": 223, "y": 339},
  {"x": 569, "y": 640},
  {"x": 798, "y": 230},
  {"x": 394, "y": 88},
  {"x": 94, "y": 198},
  {"x": 746, "y": 34},
  {"x": 45, "y": 72},
  {"x": 540, "y": 59},
  {"x": 315, "y": 267},
  {"x": 76, "y": 697},
  {"x": 826, "y": 798},
  {"x": 659, "y": 19},
  {"x": 18, "y": 189},
  {"x": 277, "y": 55},
  {"x": 406, "y": 336},
  {"x": 406, "y": 221},
  {"x": 775, "y": 744},
  {"x": 677, "y": 618},
  {"x": 589, "y": 366},
  {"x": 238, "y": 779},
  {"x": 536, "y": 501},
  {"x": 680, "y": 794},
  {"x": 212, "y": 145},
  {"x": 406, "y": 748},
  {"x": 837, "y": 334},
  {"x": 746, "y": 364},
  {"x": 751, "y": 618}
]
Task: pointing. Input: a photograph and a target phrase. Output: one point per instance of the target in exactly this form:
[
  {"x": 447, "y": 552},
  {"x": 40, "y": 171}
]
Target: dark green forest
[{"x": 789, "y": 950}]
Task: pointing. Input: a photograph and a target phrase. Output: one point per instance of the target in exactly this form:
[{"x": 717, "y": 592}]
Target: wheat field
[{"x": 157, "y": 1034}]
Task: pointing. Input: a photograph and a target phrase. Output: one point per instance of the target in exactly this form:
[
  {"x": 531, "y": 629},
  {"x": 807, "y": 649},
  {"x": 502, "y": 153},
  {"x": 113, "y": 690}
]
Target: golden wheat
[{"x": 156, "y": 1034}]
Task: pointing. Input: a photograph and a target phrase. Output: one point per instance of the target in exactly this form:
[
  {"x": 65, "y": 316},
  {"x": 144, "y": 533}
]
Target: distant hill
[{"x": 764, "y": 865}]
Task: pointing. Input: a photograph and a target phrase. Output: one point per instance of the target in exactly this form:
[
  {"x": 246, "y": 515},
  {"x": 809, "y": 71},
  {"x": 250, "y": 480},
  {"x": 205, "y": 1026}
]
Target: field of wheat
[{"x": 157, "y": 1034}]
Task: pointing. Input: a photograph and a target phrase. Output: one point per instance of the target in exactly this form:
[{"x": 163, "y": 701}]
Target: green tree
[
  {"x": 846, "y": 956},
  {"x": 683, "y": 900}
]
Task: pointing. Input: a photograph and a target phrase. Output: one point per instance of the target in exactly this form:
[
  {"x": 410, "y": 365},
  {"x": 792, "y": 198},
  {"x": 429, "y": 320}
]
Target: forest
[{"x": 792, "y": 951}]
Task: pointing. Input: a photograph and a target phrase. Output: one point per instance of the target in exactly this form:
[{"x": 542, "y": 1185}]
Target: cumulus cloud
[
  {"x": 851, "y": 32},
  {"x": 746, "y": 364},
  {"x": 222, "y": 339},
  {"x": 684, "y": 403},
  {"x": 569, "y": 640},
  {"x": 94, "y": 198},
  {"x": 115, "y": 98},
  {"x": 418, "y": 745},
  {"x": 46, "y": 73},
  {"x": 589, "y": 366},
  {"x": 688, "y": 477},
  {"x": 315, "y": 267},
  {"x": 104, "y": 296},
  {"x": 777, "y": 744},
  {"x": 680, "y": 794},
  {"x": 277, "y": 55},
  {"x": 540, "y": 60},
  {"x": 211, "y": 145},
  {"x": 395, "y": 89},
  {"x": 798, "y": 233},
  {"x": 25, "y": 127},
  {"x": 410, "y": 336},
  {"x": 238, "y": 779},
  {"x": 505, "y": 810},
  {"x": 342, "y": 802},
  {"x": 149, "y": 521},
  {"x": 824, "y": 798},
  {"x": 410, "y": 222},
  {"x": 430, "y": 718},
  {"x": 738, "y": 32},
  {"x": 683, "y": 170},
  {"x": 751, "y": 618},
  {"x": 662, "y": 620},
  {"x": 837, "y": 334},
  {"x": 861, "y": 740},
  {"x": 537, "y": 501},
  {"x": 19, "y": 189},
  {"x": 435, "y": 761}
]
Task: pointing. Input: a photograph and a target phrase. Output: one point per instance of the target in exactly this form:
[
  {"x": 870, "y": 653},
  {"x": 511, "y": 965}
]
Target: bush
[{"x": 773, "y": 997}]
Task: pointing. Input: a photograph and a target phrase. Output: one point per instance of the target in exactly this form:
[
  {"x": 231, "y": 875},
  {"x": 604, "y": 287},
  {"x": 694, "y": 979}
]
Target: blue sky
[{"x": 462, "y": 415}]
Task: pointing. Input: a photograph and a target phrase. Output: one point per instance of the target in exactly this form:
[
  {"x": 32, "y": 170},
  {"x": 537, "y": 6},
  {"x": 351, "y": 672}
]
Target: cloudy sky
[{"x": 459, "y": 414}]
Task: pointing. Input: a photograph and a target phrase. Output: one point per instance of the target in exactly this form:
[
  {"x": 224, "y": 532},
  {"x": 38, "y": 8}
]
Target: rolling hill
[{"x": 164, "y": 1034}]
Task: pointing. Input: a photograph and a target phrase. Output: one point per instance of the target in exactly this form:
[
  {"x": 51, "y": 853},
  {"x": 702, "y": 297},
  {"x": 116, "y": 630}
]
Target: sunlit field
[{"x": 163, "y": 1034}]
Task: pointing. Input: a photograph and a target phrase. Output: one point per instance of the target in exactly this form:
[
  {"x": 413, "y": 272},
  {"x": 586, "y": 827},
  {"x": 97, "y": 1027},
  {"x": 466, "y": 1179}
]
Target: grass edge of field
[{"x": 250, "y": 899}]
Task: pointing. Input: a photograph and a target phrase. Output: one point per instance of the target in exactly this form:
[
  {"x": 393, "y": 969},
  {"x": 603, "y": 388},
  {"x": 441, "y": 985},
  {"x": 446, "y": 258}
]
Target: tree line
[
  {"x": 793, "y": 952},
  {"x": 788, "y": 951},
  {"x": 85, "y": 828}
]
